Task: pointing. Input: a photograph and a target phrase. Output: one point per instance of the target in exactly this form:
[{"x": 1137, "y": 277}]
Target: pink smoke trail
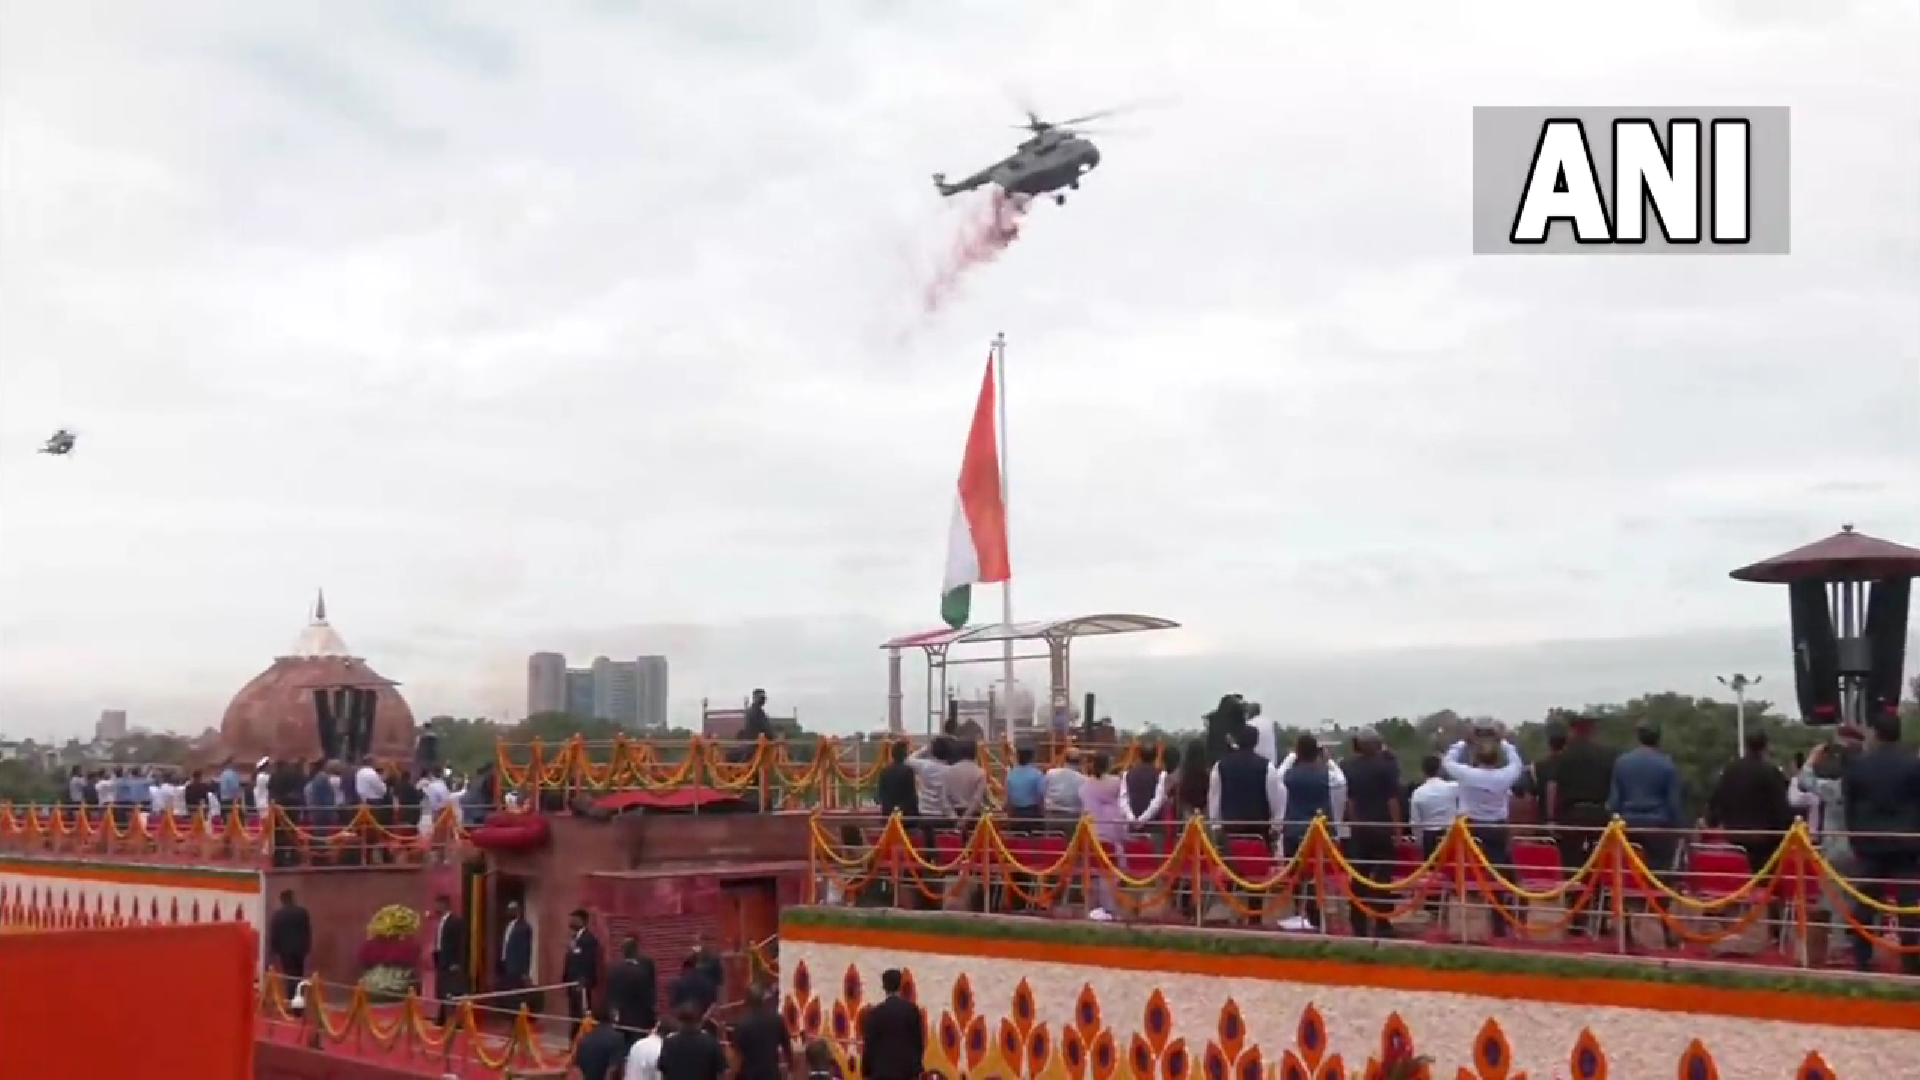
[{"x": 988, "y": 230}]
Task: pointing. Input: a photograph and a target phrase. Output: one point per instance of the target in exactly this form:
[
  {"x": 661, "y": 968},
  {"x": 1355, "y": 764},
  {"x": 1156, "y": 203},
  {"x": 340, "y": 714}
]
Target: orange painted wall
[{"x": 186, "y": 1010}]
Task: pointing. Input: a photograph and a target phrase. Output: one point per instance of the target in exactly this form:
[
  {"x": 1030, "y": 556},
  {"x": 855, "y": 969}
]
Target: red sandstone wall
[
  {"x": 55, "y": 1021},
  {"x": 342, "y": 900},
  {"x": 278, "y": 1061}
]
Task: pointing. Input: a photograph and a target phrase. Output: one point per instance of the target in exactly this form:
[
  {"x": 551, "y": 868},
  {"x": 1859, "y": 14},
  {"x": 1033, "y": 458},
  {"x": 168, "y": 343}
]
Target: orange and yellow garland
[{"x": 1036, "y": 874}]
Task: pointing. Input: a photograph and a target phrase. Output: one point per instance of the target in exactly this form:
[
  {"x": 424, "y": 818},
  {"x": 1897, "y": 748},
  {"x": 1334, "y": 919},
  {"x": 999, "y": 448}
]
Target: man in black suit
[
  {"x": 893, "y": 1035},
  {"x": 449, "y": 956},
  {"x": 762, "y": 1045},
  {"x": 633, "y": 991},
  {"x": 515, "y": 966},
  {"x": 581, "y": 971},
  {"x": 692, "y": 1052},
  {"x": 692, "y": 989},
  {"x": 600, "y": 1054},
  {"x": 895, "y": 788},
  {"x": 289, "y": 940},
  {"x": 898, "y": 792},
  {"x": 708, "y": 961},
  {"x": 1881, "y": 794}
]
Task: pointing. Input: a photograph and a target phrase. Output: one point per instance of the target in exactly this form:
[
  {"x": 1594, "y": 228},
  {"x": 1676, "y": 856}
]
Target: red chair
[
  {"x": 1409, "y": 856},
  {"x": 1049, "y": 849},
  {"x": 1714, "y": 871},
  {"x": 947, "y": 846},
  {"x": 1143, "y": 855},
  {"x": 1536, "y": 865},
  {"x": 1250, "y": 858}
]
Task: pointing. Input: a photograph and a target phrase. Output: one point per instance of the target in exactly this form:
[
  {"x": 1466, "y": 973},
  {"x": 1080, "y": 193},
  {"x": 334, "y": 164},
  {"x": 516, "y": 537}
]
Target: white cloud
[{"x": 594, "y": 325}]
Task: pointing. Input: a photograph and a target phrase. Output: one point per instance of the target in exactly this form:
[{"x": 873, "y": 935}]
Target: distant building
[
  {"x": 546, "y": 683},
  {"x": 631, "y": 693},
  {"x": 722, "y": 723},
  {"x": 616, "y": 691},
  {"x": 111, "y": 727},
  {"x": 579, "y": 692},
  {"x": 653, "y": 692}
]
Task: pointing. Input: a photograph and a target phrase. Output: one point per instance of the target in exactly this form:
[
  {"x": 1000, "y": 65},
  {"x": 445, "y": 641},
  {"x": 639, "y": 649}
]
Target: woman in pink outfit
[{"x": 1103, "y": 801}]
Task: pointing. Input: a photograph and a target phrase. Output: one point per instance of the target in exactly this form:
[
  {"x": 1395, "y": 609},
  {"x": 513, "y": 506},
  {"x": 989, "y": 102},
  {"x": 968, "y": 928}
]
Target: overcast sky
[{"x": 594, "y": 326}]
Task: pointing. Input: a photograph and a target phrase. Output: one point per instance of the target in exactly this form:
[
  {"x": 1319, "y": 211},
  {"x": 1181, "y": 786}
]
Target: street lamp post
[{"x": 1738, "y": 684}]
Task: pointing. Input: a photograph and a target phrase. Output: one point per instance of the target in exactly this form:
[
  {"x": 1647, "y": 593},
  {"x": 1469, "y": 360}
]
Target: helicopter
[
  {"x": 60, "y": 443},
  {"x": 1054, "y": 156}
]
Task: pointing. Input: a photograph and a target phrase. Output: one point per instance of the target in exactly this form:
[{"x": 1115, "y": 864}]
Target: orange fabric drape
[{"x": 84, "y": 999}]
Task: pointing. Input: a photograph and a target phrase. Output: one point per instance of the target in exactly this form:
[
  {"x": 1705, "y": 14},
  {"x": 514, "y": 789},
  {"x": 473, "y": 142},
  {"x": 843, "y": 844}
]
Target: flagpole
[{"x": 1006, "y": 504}]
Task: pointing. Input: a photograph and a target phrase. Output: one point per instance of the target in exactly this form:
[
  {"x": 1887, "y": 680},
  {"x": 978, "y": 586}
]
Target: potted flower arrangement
[{"x": 390, "y": 957}]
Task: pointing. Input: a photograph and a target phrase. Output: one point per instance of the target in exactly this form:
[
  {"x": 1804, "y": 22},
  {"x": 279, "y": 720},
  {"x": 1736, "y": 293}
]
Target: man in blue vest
[
  {"x": 1244, "y": 800},
  {"x": 1312, "y": 786}
]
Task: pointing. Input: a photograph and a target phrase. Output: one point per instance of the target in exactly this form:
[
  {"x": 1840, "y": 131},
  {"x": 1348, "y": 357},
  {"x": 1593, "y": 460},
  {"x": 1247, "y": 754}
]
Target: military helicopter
[
  {"x": 60, "y": 443},
  {"x": 1054, "y": 156}
]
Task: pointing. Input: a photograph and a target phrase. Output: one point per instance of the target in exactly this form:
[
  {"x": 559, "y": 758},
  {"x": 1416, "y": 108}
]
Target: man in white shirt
[
  {"x": 1269, "y": 745},
  {"x": 262, "y": 788},
  {"x": 368, "y": 784},
  {"x": 1486, "y": 772},
  {"x": 643, "y": 1061},
  {"x": 434, "y": 800},
  {"x": 1060, "y": 792},
  {"x": 1431, "y": 811}
]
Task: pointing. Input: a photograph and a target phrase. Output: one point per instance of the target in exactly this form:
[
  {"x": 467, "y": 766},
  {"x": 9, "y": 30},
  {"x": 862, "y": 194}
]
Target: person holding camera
[{"x": 1486, "y": 770}]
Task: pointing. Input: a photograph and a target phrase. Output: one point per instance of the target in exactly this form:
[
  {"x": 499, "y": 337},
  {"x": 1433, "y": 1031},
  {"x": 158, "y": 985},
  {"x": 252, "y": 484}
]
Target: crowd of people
[
  {"x": 320, "y": 795},
  {"x": 1859, "y": 795},
  {"x": 634, "y": 1038}
]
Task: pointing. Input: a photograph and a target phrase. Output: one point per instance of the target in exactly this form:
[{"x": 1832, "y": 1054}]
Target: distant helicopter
[
  {"x": 1056, "y": 156},
  {"x": 60, "y": 443}
]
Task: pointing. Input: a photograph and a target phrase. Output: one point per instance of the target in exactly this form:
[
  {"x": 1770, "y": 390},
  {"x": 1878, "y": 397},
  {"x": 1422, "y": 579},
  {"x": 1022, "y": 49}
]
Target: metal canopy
[
  {"x": 1044, "y": 630},
  {"x": 1057, "y": 634},
  {"x": 1845, "y": 556}
]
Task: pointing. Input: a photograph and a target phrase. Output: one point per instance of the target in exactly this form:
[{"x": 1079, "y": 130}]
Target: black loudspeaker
[
  {"x": 426, "y": 750},
  {"x": 1816, "y": 654},
  {"x": 327, "y": 722},
  {"x": 1888, "y": 604},
  {"x": 364, "y": 701},
  {"x": 952, "y": 725},
  {"x": 1086, "y": 720}
]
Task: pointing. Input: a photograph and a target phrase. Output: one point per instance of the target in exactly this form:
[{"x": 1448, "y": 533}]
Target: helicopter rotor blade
[{"x": 1116, "y": 110}]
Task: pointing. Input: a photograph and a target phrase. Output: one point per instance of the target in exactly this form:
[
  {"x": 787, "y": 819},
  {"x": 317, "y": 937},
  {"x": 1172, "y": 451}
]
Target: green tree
[
  {"x": 152, "y": 748},
  {"x": 24, "y": 781}
]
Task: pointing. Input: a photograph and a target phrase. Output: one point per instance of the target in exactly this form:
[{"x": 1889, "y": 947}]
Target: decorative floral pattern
[
  {"x": 88, "y": 905},
  {"x": 998, "y": 1040},
  {"x": 1397, "y": 1059}
]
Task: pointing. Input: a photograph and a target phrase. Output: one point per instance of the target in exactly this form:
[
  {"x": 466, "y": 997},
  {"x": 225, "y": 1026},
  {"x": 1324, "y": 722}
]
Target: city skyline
[{"x": 632, "y": 693}]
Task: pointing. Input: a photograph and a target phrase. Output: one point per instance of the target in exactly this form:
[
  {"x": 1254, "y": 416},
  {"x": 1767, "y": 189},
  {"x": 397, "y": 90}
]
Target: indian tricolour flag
[{"x": 977, "y": 543}]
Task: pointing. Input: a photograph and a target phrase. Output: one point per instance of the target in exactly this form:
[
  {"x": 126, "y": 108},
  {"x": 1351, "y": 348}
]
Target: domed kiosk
[{"x": 319, "y": 700}]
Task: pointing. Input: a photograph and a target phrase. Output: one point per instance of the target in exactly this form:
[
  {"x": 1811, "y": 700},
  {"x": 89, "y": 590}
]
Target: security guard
[{"x": 1575, "y": 799}]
